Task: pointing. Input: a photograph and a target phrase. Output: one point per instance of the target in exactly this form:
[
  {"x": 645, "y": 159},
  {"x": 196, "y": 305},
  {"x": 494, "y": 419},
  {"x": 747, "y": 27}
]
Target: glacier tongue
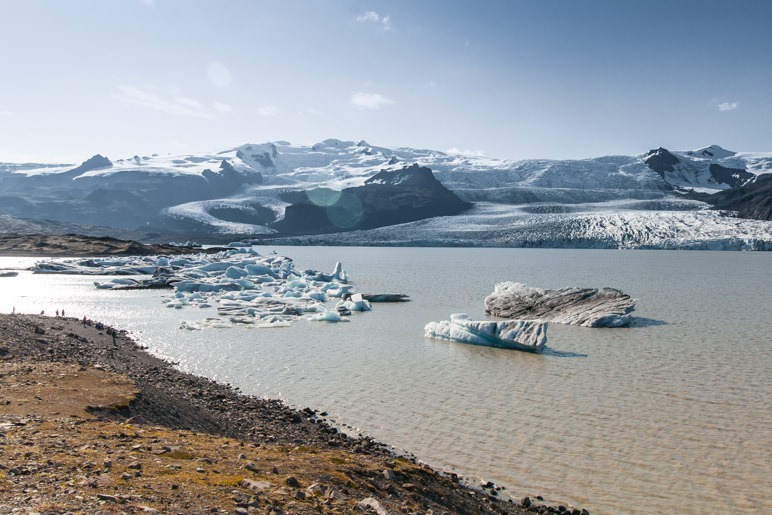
[{"x": 601, "y": 226}]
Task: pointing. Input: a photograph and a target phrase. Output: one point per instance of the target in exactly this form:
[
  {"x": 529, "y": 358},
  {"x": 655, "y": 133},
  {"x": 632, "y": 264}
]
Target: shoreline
[{"x": 179, "y": 401}]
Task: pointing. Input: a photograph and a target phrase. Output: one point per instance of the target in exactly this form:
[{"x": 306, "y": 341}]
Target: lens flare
[
  {"x": 323, "y": 196},
  {"x": 346, "y": 213}
]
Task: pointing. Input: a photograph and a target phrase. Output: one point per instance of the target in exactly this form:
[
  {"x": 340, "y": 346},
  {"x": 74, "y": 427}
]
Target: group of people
[
  {"x": 58, "y": 314},
  {"x": 42, "y": 312}
]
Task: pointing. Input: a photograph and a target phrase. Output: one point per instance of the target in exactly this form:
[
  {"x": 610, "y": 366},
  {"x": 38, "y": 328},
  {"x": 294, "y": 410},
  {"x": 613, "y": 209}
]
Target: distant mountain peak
[
  {"x": 409, "y": 175},
  {"x": 711, "y": 152},
  {"x": 661, "y": 160},
  {"x": 95, "y": 162}
]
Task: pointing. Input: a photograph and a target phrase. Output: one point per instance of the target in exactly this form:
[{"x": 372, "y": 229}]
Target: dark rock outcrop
[
  {"x": 661, "y": 160},
  {"x": 733, "y": 177},
  {"x": 752, "y": 200},
  {"x": 387, "y": 198}
]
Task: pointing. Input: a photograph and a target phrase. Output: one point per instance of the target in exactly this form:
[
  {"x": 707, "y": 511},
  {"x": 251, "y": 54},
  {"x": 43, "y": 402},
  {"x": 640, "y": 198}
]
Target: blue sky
[{"x": 508, "y": 79}]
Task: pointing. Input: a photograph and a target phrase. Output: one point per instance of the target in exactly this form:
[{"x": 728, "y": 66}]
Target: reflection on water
[{"x": 672, "y": 415}]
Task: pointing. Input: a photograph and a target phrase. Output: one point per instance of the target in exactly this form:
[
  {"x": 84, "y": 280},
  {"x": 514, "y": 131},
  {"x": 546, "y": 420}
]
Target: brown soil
[
  {"x": 59, "y": 389},
  {"x": 90, "y": 423}
]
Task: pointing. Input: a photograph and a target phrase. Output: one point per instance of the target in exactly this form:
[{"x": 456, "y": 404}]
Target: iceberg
[
  {"x": 524, "y": 335},
  {"x": 246, "y": 288},
  {"x": 587, "y": 307},
  {"x": 354, "y": 302},
  {"x": 327, "y": 316}
]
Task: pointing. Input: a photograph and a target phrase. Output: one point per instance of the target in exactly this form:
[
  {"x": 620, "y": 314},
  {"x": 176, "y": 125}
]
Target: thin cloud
[
  {"x": 175, "y": 105},
  {"x": 314, "y": 112},
  {"x": 369, "y": 16},
  {"x": 219, "y": 75},
  {"x": 465, "y": 152},
  {"x": 374, "y": 17},
  {"x": 728, "y": 106},
  {"x": 370, "y": 101},
  {"x": 190, "y": 103},
  {"x": 222, "y": 108},
  {"x": 5, "y": 113},
  {"x": 268, "y": 110}
]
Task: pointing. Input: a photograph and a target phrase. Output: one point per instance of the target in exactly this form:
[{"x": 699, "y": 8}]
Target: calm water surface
[{"x": 674, "y": 415}]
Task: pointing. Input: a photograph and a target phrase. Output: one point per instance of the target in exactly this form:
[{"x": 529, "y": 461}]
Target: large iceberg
[
  {"x": 526, "y": 335},
  {"x": 587, "y": 307}
]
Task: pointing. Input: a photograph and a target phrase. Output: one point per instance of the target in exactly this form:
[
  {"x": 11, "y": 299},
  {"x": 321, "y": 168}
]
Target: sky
[{"x": 509, "y": 79}]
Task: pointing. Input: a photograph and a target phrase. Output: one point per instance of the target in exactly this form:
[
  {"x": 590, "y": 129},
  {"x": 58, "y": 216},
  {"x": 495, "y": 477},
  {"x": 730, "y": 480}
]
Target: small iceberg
[{"x": 525, "y": 335}]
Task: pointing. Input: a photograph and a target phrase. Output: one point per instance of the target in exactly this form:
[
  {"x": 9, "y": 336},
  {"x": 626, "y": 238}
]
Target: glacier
[{"x": 654, "y": 200}]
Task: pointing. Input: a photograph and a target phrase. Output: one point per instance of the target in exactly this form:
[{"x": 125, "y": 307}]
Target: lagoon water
[{"x": 671, "y": 416}]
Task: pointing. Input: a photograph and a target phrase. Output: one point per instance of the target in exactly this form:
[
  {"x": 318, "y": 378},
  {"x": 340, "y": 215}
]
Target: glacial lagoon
[{"x": 671, "y": 415}]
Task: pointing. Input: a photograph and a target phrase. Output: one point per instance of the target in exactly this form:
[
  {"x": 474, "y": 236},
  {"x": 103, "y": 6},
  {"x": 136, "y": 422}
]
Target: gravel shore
[{"x": 164, "y": 397}]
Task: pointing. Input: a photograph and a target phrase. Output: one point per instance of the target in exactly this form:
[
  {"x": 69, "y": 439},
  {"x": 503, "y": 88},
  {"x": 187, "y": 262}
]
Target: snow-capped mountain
[
  {"x": 707, "y": 169},
  {"x": 278, "y": 190}
]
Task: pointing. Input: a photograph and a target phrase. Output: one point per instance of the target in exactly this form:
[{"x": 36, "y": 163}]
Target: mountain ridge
[{"x": 249, "y": 190}]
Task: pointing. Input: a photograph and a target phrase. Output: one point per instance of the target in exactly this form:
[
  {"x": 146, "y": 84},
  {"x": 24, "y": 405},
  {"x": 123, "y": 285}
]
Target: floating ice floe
[
  {"x": 588, "y": 307},
  {"x": 525, "y": 335},
  {"x": 247, "y": 288}
]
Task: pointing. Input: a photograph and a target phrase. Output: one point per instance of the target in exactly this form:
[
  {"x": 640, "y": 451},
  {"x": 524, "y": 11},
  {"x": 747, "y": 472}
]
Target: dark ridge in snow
[
  {"x": 264, "y": 159},
  {"x": 731, "y": 176},
  {"x": 412, "y": 176},
  {"x": 661, "y": 160},
  {"x": 752, "y": 200}
]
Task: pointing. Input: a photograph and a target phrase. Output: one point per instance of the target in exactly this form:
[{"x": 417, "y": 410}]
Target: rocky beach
[{"x": 91, "y": 423}]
